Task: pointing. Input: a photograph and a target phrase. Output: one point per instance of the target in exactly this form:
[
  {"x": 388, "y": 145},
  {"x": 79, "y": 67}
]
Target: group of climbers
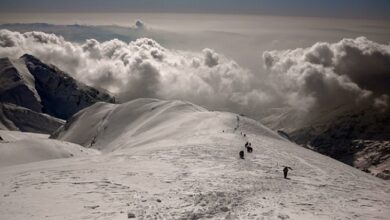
[{"x": 249, "y": 149}]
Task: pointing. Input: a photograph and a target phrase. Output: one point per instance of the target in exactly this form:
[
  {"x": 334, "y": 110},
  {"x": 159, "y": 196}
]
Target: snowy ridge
[
  {"x": 144, "y": 121},
  {"x": 175, "y": 160}
]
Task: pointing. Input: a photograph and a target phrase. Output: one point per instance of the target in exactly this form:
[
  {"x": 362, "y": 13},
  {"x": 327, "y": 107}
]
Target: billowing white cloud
[
  {"x": 143, "y": 68},
  {"x": 350, "y": 72}
]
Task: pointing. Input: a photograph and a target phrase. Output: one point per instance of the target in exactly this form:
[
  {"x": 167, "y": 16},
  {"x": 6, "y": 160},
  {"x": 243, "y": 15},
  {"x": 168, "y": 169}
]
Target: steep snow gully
[{"x": 175, "y": 160}]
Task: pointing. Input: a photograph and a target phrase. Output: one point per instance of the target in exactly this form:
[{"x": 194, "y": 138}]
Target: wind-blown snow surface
[
  {"x": 175, "y": 160},
  {"x": 22, "y": 147}
]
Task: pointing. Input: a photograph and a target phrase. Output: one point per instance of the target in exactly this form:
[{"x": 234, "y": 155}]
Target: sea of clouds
[
  {"x": 141, "y": 68},
  {"x": 351, "y": 72}
]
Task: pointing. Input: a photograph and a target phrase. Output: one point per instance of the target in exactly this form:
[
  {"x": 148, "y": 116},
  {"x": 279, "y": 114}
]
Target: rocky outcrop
[
  {"x": 61, "y": 95},
  {"x": 17, "y": 85},
  {"x": 34, "y": 96},
  {"x": 32, "y": 84}
]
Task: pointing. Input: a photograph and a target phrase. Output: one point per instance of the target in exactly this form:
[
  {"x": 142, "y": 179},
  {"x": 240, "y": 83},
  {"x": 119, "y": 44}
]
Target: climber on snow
[
  {"x": 285, "y": 171},
  {"x": 242, "y": 154}
]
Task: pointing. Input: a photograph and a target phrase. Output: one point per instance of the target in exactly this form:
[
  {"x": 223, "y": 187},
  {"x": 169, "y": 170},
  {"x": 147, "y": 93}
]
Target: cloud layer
[
  {"x": 352, "y": 72},
  {"x": 143, "y": 68}
]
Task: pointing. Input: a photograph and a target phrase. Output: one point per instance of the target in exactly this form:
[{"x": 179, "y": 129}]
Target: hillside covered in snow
[{"x": 175, "y": 160}]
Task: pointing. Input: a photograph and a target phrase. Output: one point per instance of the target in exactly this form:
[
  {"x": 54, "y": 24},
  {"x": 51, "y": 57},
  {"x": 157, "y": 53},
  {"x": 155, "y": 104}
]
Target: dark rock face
[
  {"x": 36, "y": 88},
  {"x": 18, "y": 118},
  {"x": 62, "y": 96},
  {"x": 15, "y": 87},
  {"x": 359, "y": 139}
]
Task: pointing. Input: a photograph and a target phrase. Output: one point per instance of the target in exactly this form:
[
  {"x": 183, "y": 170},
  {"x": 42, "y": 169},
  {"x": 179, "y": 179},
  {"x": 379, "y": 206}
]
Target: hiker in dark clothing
[
  {"x": 285, "y": 171},
  {"x": 249, "y": 149},
  {"x": 242, "y": 154}
]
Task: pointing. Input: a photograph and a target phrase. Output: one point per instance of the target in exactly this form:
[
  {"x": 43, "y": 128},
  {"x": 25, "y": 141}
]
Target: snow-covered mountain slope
[
  {"x": 175, "y": 160},
  {"x": 16, "y": 118},
  {"x": 20, "y": 148}
]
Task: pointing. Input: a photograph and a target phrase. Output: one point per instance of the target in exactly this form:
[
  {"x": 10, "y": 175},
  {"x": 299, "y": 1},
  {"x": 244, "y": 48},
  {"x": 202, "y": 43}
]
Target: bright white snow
[
  {"x": 175, "y": 160},
  {"x": 22, "y": 147}
]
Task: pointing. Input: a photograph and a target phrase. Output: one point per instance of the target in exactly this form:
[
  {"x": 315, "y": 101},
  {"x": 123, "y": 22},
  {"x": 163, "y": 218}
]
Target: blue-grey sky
[{"x": 373, "y": 9}]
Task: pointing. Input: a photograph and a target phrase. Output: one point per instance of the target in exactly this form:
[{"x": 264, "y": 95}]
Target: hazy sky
[{"x": 374, "y": 9}]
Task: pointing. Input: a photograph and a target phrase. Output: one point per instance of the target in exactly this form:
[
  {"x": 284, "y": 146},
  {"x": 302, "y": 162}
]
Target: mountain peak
[
  {"x": 53, "y": 91},
  {"x": 29, "y": 57}
]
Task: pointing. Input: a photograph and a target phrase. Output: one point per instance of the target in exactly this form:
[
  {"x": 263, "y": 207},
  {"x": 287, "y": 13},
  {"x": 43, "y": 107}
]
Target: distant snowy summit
[{"x": 41, "y": 89}]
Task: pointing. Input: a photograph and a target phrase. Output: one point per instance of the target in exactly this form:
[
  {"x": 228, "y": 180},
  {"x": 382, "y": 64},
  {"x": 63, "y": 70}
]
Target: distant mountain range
[{"x": 360, "y": 138}]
